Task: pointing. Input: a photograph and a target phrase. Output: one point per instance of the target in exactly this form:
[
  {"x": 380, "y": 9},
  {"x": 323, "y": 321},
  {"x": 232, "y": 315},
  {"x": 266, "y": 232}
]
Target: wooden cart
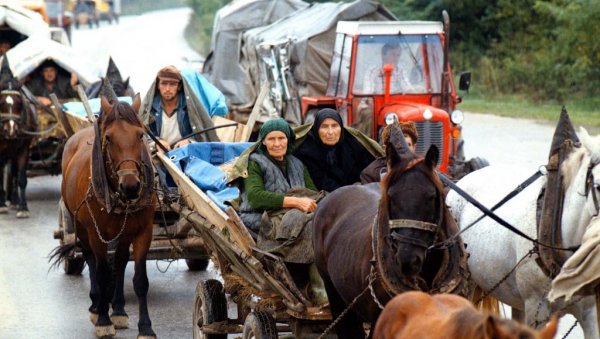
[{"x": 268, "y": 301}]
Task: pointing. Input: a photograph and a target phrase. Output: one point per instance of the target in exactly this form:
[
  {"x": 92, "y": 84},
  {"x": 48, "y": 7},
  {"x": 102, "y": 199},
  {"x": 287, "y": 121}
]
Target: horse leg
[
  {"x": 90, "y": 260},
  {"x": 12, "y": 193},
  {"x": 141, "y": 244},
  {"x": 584, "y": 311},
  {"x": 22, "y": 160},
  {"x": 350, "y": 325},
  {"x": 3, "y": 196},
  {"x": 119, "y": 317},
  {"x": 104, "y": 326}
]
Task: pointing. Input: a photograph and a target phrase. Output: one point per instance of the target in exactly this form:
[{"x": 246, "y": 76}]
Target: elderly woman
[
  {"x": 375, "y": 171},
  {"x": 333, "y": 155},
  {"x": 273, "y": 172}
]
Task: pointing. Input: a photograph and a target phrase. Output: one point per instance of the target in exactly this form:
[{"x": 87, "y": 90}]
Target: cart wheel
[
  {"x": 74, "y": 266},
  {"x": 210, "y": 306},
  {"x": 260, "y": 325},
  {"x": 197, "y": 264}
]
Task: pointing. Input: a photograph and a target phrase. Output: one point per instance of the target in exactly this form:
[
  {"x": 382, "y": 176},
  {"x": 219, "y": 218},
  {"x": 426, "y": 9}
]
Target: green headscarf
[{"x": 276, "y": 124}]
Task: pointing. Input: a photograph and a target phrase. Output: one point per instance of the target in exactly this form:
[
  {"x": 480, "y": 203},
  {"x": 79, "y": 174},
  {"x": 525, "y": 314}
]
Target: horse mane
[{"x": 121, "y": 111}]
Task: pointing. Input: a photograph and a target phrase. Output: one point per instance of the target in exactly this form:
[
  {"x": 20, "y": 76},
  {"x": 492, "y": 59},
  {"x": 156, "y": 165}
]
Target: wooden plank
[
  {"x": 199, "y": 202},
  {"x": 85, "y": 102},
  {"x": 229, "y": 134},
  {"x": 264, "y": 90},
  {"x": 60, "y": 114}
]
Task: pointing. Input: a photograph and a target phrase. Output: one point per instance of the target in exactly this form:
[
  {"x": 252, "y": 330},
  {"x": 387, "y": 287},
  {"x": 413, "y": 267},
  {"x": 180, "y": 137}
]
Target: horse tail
[
  {"x": 487, "y": 304},
  {"x": 60, "y": 253}
]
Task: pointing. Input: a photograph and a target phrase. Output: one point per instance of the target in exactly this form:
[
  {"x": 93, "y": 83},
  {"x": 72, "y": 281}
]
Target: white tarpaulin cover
[
  {"x": 28, "y": 55},
  {"x": 22, "y": 20}
]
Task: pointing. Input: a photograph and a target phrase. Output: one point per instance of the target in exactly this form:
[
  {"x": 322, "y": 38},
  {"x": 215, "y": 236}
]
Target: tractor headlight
[
  {"x": 427, "y": 114},
  {"x": 390, "y": 118},
  {"x": 457, "y": 117}
]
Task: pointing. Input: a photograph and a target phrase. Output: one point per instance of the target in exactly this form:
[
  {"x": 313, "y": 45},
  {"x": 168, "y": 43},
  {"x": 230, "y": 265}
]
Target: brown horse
[
  {"x": 107, "y": 190},
  {"x": 446, "y": 316},
  {"x": 372, "y": 242},
  {"x": 17, "y": 122}
]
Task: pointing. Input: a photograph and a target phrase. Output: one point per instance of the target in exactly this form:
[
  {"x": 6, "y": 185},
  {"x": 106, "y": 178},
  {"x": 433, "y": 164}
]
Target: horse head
[
  {"x": 124, "y": 148},
  {"x": 120, "y": 86},
  {"x": 410, "y": 211},
  {"x": 12, "y": 113}
]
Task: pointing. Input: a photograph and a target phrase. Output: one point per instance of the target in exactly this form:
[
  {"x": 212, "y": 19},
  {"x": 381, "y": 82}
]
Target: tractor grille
[{"x": 430, "y": 133}]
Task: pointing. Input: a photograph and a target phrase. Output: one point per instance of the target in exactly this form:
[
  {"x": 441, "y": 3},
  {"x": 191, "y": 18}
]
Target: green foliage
[{"x": 199, "y": 31}]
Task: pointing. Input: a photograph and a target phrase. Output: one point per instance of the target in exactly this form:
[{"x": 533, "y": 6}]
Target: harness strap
[
  {"x": 447, "y": 181},
  {"x": 416, "y": 224}
]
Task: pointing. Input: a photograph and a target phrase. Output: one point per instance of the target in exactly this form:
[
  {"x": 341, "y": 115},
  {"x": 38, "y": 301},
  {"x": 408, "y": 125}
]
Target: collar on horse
[{"x": 108, "y": 198}]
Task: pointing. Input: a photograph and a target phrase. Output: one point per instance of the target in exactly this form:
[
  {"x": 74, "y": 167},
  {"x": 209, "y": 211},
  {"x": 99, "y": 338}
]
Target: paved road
[{"x": 35, "y": 302}]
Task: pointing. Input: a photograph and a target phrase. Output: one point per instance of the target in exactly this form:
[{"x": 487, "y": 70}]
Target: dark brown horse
[
  {"x": 371, "y": 242},
  {"x": 107, "y": 190},
  {"x": 17, "y": 122},
  {"x": 446, "y": 316}
]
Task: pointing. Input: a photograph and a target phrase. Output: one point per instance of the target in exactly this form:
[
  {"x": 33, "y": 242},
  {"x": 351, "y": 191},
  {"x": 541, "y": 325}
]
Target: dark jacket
[
  {"x": 62, "y": 89},
  {"x": 332, "y": 167},
  {"x": 374, "y": 172},
  {"x": 183, "y": 119}
]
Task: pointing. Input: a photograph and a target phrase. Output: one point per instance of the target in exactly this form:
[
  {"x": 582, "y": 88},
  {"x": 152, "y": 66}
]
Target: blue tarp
[
  {"x": 211, "y": 98},
  {"x": 199, "y": 162},
  {"x": 76, "y": 107}
]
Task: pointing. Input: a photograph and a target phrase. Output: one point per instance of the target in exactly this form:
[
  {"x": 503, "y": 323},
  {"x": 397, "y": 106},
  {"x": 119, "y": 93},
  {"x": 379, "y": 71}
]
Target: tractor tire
[
  {"x": 210, "y": 306},
  {"x": 259, "y": 325},
  {"x": 478, "y": 163}
]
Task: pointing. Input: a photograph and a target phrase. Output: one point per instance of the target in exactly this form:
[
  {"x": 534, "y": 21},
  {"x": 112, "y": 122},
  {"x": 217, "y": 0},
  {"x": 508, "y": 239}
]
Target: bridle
[
  {"x": 9, "y": 117},
  {"x": 429, "y": 227},
  {"x": 116, "y": 173},
  {"x": 590, "y": 186}
]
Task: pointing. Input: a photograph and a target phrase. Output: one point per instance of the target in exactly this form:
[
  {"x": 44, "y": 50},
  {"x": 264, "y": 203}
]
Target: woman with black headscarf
[{"x": 333, "y": 156}]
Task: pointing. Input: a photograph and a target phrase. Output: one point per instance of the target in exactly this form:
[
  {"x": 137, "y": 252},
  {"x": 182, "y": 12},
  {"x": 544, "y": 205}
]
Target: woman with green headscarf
[{"x": 272, "y": 173}]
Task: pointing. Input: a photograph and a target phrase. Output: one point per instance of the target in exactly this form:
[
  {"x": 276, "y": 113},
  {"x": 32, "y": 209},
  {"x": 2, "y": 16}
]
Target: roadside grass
[{"x": 583, "y": 112}]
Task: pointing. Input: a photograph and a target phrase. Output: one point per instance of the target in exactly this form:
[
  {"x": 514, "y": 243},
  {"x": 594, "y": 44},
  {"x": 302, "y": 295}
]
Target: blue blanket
[
  {"x": 199, "y": 162},
  {"x": 211, "y": 98},
  {"x": 76, "y": 107}
]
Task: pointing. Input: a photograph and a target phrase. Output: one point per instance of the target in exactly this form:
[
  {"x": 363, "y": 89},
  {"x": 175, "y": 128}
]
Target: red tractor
[{"x": 383, "y": 71}]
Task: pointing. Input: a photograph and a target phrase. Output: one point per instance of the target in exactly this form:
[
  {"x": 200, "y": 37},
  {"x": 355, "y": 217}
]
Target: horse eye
[
  {"x": 107, "y": 138},
  {"x": 141, "y": 136}
]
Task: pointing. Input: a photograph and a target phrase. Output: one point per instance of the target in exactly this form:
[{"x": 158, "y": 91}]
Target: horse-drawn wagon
[{"x": 268, "y": 301}]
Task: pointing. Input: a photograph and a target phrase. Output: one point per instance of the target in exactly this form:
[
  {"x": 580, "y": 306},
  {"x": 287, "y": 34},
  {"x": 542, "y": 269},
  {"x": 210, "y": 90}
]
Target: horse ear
[
  {"x": 137, "y": 102},
  {"x": 490, "y": 327},
  {"x": 126, "y": 83},
  {"x": 105, "y": 105},
  {"x": 392, "y": 156},
  {"x": 549, "y": 331},
  {"x": 432, "y": 156}
]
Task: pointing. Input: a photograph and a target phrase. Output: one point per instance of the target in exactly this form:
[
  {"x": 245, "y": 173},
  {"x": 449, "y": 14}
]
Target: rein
[{"x": 494, "y": 216}]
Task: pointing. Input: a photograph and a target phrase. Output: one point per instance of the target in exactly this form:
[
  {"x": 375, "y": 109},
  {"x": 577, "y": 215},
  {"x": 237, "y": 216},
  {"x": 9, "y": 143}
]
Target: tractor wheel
[
  {"x": 260, "y": 325},
  {"x": 197, "y": 264},
  {"x": 478, "y": 163},
  {"x": 210, "y": 306}
]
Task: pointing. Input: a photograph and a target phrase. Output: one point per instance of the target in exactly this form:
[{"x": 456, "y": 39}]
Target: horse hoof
[
  {"x": 103, "y": 332},
  {"x": 23, "y": 214},
  {"x": 94, "y": 318},
  {"x": 120, "y": 321},
  {"x": 3, "y": 210}
]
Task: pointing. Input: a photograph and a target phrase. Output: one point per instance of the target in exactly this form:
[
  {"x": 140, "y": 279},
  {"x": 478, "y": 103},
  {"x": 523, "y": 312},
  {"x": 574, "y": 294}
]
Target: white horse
[{"x": 495, "y": 251}]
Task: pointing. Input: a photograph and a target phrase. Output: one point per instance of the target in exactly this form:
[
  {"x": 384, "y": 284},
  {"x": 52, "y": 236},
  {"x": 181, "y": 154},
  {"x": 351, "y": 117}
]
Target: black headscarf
[{"x": 335, "y": 166}]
